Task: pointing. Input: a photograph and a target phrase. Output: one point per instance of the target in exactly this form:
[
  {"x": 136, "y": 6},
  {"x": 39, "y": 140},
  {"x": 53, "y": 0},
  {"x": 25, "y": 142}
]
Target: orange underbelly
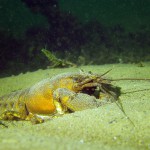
[{"x": 40, "y": 105}]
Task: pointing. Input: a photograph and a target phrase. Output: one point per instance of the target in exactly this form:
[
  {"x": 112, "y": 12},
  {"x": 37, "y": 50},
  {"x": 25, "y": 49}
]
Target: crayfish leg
[
  {"x": 4, "y": 125},
  {"x": 35, "y": 119},
  {"x": 11, "y": 115}
]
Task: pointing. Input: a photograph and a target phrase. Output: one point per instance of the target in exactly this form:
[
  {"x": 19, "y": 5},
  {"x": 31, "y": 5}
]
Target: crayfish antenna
[
  {"x": 146, "y": 79},
  {"x": 105, "y": 72},
  {"x": 120, "y": 106},
  {"x": 128, "y": 92},
  {"x": 82, "y": 71}
]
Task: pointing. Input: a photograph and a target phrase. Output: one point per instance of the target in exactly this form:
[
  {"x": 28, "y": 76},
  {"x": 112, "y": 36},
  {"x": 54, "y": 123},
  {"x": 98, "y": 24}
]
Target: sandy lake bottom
[{"x": 104, "y": 128}]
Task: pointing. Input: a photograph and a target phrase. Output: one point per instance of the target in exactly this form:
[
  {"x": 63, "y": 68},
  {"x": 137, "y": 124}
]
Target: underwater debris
[
  {"x": 140, "y": 64},
  {"x": 56, "y": 62}
]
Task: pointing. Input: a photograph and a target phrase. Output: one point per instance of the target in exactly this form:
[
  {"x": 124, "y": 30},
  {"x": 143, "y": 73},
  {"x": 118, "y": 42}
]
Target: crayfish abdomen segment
[{"x": 12, "y": 106}]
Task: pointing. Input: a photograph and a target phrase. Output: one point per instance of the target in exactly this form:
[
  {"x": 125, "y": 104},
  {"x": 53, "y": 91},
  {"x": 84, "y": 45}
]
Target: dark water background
[{"x": 82, "y": 31}]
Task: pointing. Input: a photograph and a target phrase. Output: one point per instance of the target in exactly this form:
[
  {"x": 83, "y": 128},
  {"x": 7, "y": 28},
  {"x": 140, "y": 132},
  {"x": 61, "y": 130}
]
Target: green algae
[{"x": 56, "y": 62}]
